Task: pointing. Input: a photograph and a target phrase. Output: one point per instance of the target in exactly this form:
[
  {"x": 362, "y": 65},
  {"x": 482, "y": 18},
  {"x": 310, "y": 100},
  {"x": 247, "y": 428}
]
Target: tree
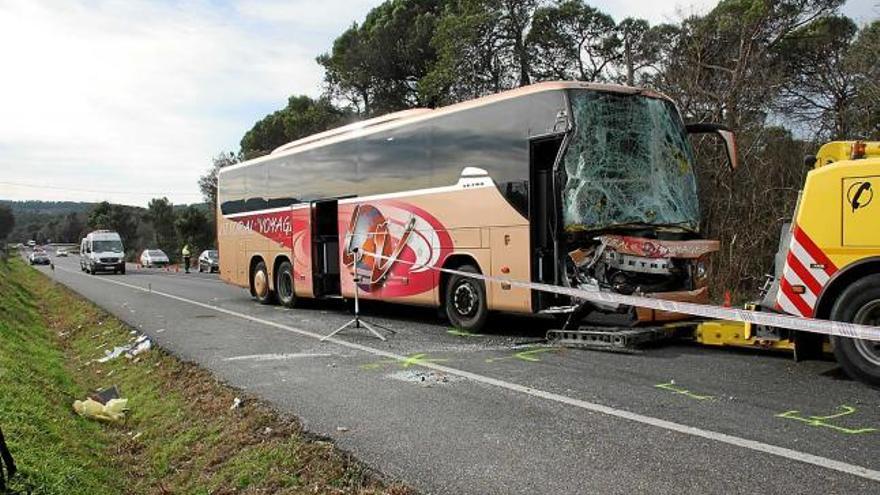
[
  {"x": 72, "y": 227},
  {"x": 644, "y": 49},
  {"x": 482, "y": 48},
  {"x": 7, "y": 221},
  {"x": 121, "y": 219},
  {"x": 863, "y": 57},
  {"x": 160, "y": 213},
  {"x": 193, "y": 228},
  {"x": 723, "y": 66},
  {"x": 99, "y": 217},
  {"x": 377, "y": 66},
  {"x": 821, "y": 86},
  {"x": 34, "y": 233},
  {"x": 301, "y": 117},
  {"x": 571, "y": 40}
]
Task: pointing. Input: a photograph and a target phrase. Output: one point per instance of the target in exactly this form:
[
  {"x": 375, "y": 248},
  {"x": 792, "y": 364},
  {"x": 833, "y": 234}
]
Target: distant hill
[
  {"x": 47, "y": 207},
  {"x": 68, "y": 221}
]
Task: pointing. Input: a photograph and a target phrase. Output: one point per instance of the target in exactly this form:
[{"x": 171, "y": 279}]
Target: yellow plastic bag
[{"x": 113, "y": 411}]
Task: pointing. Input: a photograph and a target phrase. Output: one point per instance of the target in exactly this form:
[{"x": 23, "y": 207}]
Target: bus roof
[{"x": 404, "y": 117}]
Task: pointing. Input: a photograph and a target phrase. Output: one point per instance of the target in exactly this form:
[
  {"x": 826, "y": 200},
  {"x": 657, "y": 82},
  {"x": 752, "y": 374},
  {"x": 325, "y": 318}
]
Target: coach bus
[{"x": 568, "y": 183}]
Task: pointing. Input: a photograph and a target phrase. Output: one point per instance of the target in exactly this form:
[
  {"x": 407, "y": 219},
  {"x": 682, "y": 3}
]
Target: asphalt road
[{"x": 492, "y": 414}]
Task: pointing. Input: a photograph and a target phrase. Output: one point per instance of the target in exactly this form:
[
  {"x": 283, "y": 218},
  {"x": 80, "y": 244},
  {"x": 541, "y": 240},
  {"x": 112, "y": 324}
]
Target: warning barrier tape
[{"x": 803, "y": 324}]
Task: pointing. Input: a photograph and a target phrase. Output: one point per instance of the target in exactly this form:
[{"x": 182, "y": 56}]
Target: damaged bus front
[{"x": 628, "y": 213}]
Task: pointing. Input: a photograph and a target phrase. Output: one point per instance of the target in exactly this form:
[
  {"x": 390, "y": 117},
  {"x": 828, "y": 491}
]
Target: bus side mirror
[{"x": 724, "y": 133}]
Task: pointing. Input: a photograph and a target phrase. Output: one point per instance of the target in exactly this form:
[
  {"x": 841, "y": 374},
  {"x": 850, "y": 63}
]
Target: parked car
[
  {"x": 102, "y": 250},
  {"x": 209, "y": 261},
  {"x": 39, "y": 258},
  {"x": 154, "y": 257},
  {"x": 61, "y": 253}
]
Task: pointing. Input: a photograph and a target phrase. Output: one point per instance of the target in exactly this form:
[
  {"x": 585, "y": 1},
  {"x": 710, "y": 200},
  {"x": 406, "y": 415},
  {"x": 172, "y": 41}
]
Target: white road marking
[
  {"x": 754, "y": 445},
  {"x": 278, "y": 357}
]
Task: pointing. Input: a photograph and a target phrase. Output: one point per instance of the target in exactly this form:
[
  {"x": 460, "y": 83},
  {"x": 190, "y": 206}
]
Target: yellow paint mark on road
[
  {"x": 678, "y": 390},
  {"x": 463, "y": 333},
  {"x": 822, "y": 421},
  {"x": 406, "y": 362},
  {"x": 527, "y": 355}
]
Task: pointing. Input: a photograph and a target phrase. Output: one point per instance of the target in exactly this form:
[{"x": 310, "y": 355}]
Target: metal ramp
[{"x": 617, "y": 339}]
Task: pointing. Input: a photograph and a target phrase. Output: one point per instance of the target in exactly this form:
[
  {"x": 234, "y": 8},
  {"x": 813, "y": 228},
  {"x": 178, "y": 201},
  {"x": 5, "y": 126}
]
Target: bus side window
[{"x": 394, "y": 160}]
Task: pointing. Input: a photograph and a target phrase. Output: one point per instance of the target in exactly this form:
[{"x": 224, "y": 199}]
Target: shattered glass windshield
[{"x": 628, "y": 162}]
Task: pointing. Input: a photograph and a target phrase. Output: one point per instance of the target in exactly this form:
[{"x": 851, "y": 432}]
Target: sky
[{"x": 127, "y": 100}]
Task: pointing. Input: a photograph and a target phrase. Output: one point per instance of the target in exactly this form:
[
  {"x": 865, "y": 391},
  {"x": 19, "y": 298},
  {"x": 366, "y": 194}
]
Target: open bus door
[
  {"x": 325, "y": 248},
  {"x": 543, "y": 210}
]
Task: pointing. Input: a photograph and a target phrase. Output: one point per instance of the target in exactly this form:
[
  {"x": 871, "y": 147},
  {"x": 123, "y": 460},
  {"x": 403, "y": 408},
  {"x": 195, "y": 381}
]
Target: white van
[{"x": 102, "y": 250}]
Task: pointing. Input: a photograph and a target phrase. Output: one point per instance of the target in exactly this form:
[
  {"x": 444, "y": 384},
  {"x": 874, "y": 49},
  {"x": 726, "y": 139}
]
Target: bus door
[
  {"x": 543, "y": 210},
  {"x": 325, "y": 248}
]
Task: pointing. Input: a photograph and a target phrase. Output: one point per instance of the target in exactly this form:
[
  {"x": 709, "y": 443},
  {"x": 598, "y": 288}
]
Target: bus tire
[
  {"x": 284, "y": 285},
  {"x": 859, "y": 303},
  {"x": 465, "y": 301},
  {"x": 260, "y": 283}
]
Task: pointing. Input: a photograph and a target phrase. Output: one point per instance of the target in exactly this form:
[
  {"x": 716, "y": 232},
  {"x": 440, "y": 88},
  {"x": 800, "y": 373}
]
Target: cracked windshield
[{"x": 629, "y": 162}]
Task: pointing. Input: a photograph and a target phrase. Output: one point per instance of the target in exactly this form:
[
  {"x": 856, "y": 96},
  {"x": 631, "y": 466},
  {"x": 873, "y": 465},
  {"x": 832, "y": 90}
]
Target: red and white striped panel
[{"x": 806, "y": 265}]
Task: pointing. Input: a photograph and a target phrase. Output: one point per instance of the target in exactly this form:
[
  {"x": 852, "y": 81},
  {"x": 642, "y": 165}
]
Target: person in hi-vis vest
[{"x": 186, "y": 255}]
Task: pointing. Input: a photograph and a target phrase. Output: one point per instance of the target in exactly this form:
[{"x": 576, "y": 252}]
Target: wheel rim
[
  {"x": 465, "y": 299},
  {"x": 869, "y": 314},
  {"x": 285, "y": 286},
  {"x": 260, "y": 285}
]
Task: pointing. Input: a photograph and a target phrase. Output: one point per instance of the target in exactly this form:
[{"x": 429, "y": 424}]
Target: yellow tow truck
[{"x": 828, "y": 264}]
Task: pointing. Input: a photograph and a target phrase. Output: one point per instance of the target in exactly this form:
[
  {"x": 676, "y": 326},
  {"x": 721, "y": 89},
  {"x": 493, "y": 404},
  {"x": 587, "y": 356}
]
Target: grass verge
[{"x": 180, "y": 436}]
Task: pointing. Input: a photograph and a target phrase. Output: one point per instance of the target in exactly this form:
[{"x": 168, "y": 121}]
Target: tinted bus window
[
  {"x": 255, "y": 185},
  {"x": 231, "y": 191},
  {"x": 394, "y": 160},
  {"x": 325, "y": 172},
  {"x": 424, "y": 154},
  {"x": 283, "y": 187},
  {"x": 496, "y": 138},
  {"x": 490, "y": 137}
]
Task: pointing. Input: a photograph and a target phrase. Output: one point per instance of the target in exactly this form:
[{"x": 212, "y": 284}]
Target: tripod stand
[{"x": 357, "y": 322}]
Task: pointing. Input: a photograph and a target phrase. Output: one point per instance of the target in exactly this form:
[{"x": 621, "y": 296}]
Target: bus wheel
[
  {"x": 466, "y": 301},
  {"x": 284, "y": 285},
  {"x": 859, "y": 303},
  {"x": 261, "y": 284}
]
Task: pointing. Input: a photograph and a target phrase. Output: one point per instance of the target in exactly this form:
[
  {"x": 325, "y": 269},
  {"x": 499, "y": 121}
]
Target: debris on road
[
  {"x": 113, "y": 411},
  {"x": 105, "y": 395},
  {"x": 137, "y": 346},
  {"x": 341, "y": 429},
  {"x": 424, "y": 377},
  {"x": 115, "y": 353},
  {"x": 142, "y": 344},
  {"x": 105, "y": 405}
]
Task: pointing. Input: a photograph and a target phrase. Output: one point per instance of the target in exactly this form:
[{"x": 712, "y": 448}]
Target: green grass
[{"x": 180, "y": 436}]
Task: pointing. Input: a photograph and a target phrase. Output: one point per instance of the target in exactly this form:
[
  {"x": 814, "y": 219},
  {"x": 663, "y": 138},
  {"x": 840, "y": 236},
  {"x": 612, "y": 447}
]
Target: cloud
[
  {"x": 135, "y": 96},
  {"x": 324, "y": 15}
]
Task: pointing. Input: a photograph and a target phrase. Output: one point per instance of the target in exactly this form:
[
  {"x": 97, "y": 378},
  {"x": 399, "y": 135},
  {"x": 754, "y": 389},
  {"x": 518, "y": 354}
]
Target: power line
[{"x": 99, "y": 191}]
